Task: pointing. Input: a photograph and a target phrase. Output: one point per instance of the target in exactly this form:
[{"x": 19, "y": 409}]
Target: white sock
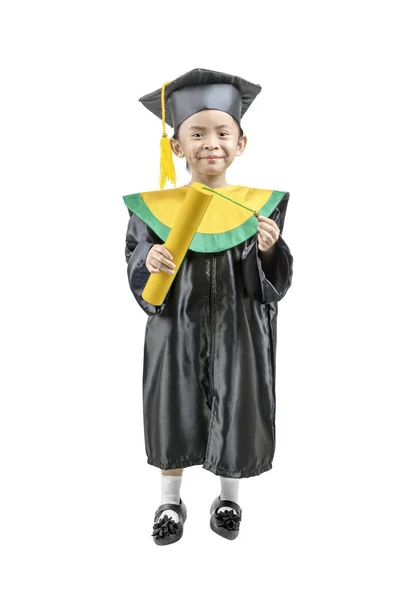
[
  {"x": 170, "y": 493},
  {"x": 229, "y": 491}
]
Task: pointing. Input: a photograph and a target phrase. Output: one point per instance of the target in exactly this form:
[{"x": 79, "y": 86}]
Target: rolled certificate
[{"x": 178, "y": 241}]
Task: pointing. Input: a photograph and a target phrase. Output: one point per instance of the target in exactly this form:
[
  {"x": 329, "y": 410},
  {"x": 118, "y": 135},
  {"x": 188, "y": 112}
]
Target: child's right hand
[{"x": 157, "y": 259}]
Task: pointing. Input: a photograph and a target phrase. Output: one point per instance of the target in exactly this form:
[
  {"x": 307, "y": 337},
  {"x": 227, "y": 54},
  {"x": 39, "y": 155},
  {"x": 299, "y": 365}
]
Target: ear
[
  {"x": 241, "y": 145},
  {"x": 176, "y": 147}
]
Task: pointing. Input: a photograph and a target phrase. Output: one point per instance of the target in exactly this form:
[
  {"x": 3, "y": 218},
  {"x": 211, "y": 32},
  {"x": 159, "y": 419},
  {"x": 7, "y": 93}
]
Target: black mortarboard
[
  {"x": 200, "y": 89},
  {"x": 190, "y": 93}
]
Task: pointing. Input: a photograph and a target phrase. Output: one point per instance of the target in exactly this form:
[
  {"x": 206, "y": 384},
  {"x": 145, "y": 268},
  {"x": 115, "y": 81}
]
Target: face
[{"x": 209, "y": 140}]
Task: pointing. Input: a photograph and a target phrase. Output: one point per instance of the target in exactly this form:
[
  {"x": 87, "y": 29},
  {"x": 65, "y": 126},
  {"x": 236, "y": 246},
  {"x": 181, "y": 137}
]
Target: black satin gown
[{"x": 210, "y": 354}]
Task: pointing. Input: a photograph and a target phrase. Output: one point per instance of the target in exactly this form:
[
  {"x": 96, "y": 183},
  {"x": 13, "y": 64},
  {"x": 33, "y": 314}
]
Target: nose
[{"x": 211, "y": 143}]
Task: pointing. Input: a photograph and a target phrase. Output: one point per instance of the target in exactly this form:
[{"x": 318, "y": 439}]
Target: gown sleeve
[
  {"x": 139, "y": 240},
  {"x": 268, "y": 282}
]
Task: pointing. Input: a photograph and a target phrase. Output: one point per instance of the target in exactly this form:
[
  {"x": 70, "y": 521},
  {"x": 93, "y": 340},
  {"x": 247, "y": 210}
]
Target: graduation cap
[{"x": 190, "y": 93}]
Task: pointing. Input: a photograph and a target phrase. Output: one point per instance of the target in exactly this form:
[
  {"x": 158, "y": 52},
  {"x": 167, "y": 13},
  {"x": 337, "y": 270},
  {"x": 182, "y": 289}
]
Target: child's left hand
[{"x": 268, "y": 233}]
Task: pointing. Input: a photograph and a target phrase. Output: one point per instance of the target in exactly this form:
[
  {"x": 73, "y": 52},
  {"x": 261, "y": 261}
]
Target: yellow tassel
[{"x": 167, "y": 169}]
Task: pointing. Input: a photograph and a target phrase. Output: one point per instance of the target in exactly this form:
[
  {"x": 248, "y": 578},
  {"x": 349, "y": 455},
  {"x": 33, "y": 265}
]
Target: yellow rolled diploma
[{"x": 178, "y": 241}]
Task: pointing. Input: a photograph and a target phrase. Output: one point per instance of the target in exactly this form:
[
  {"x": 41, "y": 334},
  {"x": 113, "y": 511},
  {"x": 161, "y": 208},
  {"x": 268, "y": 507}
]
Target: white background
[{"x": 77, "y": 495}]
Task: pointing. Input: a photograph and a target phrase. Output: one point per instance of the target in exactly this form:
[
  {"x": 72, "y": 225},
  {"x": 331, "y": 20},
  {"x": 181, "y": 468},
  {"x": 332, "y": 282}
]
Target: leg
[
  {"x": 229, "y": 490},
  {"x": 171, "y": 481},
  {"x": 168, "y": 524},
  {"x": 225, "y": 518},
  {"x": 172, "y": 472}
]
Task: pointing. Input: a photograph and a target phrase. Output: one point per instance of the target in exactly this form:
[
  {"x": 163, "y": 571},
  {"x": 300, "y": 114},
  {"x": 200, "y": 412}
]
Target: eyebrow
[{"x": 219, "y": 127}]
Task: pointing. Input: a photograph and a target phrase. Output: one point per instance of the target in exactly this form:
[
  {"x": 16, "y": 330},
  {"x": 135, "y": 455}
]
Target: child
[{"x": 210, "y": 347}]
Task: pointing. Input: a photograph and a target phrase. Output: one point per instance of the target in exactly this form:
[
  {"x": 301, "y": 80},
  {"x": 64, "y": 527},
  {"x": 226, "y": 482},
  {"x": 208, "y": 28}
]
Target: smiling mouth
[{"x": 212, "y": 157}]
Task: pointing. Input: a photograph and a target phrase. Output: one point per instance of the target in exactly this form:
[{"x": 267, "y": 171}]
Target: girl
[{"x": 210, "y": 347}]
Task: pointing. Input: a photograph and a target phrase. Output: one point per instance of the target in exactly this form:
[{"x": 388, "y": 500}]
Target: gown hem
[{"x": 213, "y": 468}]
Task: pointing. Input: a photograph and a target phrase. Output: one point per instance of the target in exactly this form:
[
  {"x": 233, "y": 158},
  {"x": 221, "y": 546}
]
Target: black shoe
[
  {"x": 166, "y": 530},
  {"x": 226, "y": 523}
]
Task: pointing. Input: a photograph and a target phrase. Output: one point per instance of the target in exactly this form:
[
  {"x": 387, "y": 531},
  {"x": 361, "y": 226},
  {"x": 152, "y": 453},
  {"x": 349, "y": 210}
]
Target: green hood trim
[{"x": 205, "y": 242}]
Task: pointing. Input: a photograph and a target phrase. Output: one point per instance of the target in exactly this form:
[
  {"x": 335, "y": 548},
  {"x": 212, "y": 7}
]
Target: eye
[
  {"x": 196, "y": 134},
  {"x": 224, "y": 133}
]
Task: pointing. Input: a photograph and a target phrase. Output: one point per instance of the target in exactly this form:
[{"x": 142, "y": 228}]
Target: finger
[
  {"x": 268, "y": 224},
  {"x": 162, "y": 258},
  {"x": 268, "y": 232},
  {"x": 153, "y": 269},
  {"x": 272, "y": 229},
  {"x": 163, "y": 266},
  {"x": 267, "y": 239},
  {"x": 261, "y": 244},
  {"x": 156, "y": 269},
  {"x": 166, "y": 252},
  {"x": 263, "y": 219}
]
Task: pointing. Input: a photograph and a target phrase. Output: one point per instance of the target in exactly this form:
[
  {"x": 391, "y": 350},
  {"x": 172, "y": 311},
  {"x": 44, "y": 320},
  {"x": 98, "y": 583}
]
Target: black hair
[{"x": 176, "y": 137}]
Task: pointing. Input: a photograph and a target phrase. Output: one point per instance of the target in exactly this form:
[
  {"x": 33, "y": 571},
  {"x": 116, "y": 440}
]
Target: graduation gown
[{"x": 210, "y": 348}]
